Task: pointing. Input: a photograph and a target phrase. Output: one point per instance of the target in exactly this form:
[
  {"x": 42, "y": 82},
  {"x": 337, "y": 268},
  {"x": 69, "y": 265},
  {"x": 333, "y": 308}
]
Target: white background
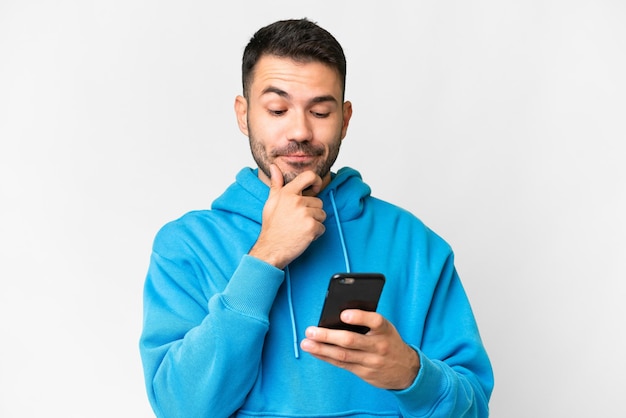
[{"x": 499, "y": 123}]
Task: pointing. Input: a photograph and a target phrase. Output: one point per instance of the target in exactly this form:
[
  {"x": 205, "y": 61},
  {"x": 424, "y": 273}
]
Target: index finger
[
  {"x": 306, "y": 183},
  {"x": 276, "y": 177}
]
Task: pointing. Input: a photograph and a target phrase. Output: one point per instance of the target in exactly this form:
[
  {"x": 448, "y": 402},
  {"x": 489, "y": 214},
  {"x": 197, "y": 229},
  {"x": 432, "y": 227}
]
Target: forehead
[{"x": 296, "y": 78}]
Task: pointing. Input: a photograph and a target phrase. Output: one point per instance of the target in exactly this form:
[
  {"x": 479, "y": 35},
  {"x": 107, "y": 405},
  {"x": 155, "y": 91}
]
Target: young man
[{"x": 233, "y": 294}]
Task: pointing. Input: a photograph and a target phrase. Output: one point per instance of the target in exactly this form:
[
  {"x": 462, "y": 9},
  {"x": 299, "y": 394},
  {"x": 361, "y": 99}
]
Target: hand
[
  {"x": 379, "y": 357},
  {"x": 291, "y": 219}
]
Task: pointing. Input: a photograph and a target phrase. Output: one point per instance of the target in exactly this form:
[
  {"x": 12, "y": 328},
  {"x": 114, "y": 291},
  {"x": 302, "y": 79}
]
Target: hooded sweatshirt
[{"x": 221, "y": 328}]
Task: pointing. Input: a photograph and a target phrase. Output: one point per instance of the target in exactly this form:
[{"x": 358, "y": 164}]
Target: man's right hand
[{"x": 292, "y": 218}]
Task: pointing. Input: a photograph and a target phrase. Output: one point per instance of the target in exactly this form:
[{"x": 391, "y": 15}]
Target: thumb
[{"x": 276, "y": 180}]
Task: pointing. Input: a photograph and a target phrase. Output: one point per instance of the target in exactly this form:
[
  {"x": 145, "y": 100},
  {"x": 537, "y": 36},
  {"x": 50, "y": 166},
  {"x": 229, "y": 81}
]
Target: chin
[{"x": 290, "y": 175}]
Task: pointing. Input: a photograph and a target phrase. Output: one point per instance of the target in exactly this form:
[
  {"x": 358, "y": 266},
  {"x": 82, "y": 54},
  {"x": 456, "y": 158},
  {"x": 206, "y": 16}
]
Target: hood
[{"x": 248, "y": 194}]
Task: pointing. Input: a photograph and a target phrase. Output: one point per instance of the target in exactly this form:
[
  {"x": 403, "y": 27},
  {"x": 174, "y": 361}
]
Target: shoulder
[
  {"x": 206, "y": 233},
  {"x": 405, "y": 222},
  {"x": 183, "y": 229},
  {"x": 388, "y": 210},
  {"x": 188, "y": 221}
]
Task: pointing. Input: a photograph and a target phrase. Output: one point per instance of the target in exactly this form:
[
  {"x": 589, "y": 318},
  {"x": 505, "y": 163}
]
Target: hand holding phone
[{"x": 350, "y": 291}]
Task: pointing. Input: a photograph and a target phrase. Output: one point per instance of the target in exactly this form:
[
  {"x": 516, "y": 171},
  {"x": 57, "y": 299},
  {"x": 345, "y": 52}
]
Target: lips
[
  {"x": 298, "y": 156},
  {"x": 298, "y": 150},
  {"x": 299, "y": 159}
]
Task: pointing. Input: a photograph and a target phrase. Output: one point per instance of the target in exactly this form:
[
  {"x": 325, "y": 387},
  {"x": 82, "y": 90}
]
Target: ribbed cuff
[
  {"x": 253, "y": 287},
  {"x": 428, "y": 388}
]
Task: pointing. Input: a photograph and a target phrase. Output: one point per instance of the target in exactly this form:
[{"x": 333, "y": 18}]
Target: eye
[
  {"x": 320, "y": 115},
  {"x": 276, "y": 112}
]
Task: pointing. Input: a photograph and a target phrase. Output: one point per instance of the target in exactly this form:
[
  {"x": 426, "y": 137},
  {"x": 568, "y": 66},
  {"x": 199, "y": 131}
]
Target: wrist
[
  {"x": 413, "y": 367},
  {"x": 269, "y": 257}
]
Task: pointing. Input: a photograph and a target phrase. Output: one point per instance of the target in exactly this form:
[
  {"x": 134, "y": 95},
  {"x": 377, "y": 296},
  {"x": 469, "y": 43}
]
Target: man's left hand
[{"x": 379, "y": 357}]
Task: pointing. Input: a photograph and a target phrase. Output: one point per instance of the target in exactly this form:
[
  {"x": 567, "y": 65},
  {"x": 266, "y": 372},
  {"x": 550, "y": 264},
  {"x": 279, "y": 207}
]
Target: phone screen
[{"x": 350, "y": 291}]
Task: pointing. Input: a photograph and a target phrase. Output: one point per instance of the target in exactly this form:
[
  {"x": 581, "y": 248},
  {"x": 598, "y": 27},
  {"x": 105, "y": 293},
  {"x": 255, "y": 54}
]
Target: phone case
[{"x": 350, "y": 291}]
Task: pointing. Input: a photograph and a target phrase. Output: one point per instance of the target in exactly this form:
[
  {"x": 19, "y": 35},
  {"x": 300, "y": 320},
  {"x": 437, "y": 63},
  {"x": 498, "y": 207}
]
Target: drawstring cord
[
  {"x": 343, "y": 242},
  {"x": 294, "y": 331}
]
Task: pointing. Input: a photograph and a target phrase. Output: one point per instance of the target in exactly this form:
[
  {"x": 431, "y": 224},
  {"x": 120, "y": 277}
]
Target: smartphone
[{"x": 350, "y": 291}]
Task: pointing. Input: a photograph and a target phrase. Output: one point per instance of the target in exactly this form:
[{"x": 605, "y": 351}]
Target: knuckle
[
  {"x": 343, "y": 357},
  {"x": 383, "y": 348},
  {"x": 348, "y": 339},
  {"x": 377, "y": 363},
  {"x": 310, "y": 224},
  {"x": 378, "y": 321},
  {"x": 370, "y": 372},
  {"x": 299, "y": 200}
]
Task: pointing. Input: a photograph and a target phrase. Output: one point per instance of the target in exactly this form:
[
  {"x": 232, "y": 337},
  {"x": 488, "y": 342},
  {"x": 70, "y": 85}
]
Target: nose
[{"x": 299, "y": 127}]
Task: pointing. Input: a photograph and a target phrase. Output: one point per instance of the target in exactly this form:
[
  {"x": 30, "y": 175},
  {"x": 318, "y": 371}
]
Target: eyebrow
[{"x": 283, "y": 93}]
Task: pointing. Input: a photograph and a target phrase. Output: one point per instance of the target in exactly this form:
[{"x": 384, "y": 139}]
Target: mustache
[{"x": 305, "y": 148}]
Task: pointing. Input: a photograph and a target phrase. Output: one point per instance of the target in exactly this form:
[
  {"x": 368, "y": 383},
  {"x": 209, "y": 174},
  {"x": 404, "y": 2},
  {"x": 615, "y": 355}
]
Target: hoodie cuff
[
  {"x": 429, "y": 387},
  {"x": 253, "y": 287}
]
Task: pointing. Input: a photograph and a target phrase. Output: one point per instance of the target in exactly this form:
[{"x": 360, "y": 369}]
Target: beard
[{"x": 321, "y": 166}]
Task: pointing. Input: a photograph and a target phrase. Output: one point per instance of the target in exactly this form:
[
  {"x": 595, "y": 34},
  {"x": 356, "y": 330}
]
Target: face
[{"x": 294, "y": 117}]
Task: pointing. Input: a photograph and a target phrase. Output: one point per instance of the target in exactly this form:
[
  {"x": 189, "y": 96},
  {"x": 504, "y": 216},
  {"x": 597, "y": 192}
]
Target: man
[{"x": 233, "y": 294}]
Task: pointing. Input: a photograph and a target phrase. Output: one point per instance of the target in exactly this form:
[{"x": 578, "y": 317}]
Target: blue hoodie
[{"x": 221, "y": 329}]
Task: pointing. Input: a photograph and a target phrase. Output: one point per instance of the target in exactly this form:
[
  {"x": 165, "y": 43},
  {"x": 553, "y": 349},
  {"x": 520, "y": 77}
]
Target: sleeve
[
  {"x": 201, "y": 357},
  {"x": 455, "y": 379}
]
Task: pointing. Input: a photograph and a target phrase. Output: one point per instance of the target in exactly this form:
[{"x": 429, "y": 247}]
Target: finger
[
  {"x": 308, "y": 181},
  {"x": 276, "y": 180},
  {"x": 314, "y": 203},
  {"x": 320, "y": 230},
  {"x": 373, "y": 320},
  {"x": 315, "y": 188},
  {"x": 340, "y": 338},
  {"x": 317, "y": 213},
  {"x": 333, "y": 354},
  {"x": 347, "y": 358}
]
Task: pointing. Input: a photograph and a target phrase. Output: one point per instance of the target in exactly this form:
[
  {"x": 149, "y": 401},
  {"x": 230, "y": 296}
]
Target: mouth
[
  {"x": 298, "y": 159},
  {"x": 299, "y": 155}
]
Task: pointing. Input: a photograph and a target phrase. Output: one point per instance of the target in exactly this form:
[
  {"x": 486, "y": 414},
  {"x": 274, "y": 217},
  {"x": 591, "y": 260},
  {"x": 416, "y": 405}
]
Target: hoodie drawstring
[
  {"x": 294, "y": 331},
  {"x": 343, "y": 242}
]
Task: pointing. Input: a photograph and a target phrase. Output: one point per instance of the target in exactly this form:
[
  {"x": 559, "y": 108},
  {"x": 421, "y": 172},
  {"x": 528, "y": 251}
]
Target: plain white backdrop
[{"x": 499, "y": 123}]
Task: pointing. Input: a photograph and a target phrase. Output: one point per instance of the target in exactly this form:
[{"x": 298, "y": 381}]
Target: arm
[
  {"x": 455, "y": 377},
  {"x": 204, "y": 333},
  {"x": 201, "y": 359},
  {"x": 449, "y": 375}
]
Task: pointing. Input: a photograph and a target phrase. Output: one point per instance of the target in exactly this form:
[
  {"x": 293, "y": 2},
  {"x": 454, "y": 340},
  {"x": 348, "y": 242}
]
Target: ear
[
  {"x": 241, "y": 111},
  {"x": 347, "y": 114}
]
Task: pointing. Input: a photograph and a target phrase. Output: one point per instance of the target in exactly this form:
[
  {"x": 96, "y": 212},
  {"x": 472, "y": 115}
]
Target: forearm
[
  {"x": 205, "y": 374},
  {"x": 443, "y": 391},
  {"x": 455, "y": 377},
  {"x": 205, "y": 365}
]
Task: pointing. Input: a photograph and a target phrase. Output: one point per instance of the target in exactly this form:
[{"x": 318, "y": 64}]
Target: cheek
[
  {"x": 331, "y": 132},
  {"x": 267, "y": 127}
]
